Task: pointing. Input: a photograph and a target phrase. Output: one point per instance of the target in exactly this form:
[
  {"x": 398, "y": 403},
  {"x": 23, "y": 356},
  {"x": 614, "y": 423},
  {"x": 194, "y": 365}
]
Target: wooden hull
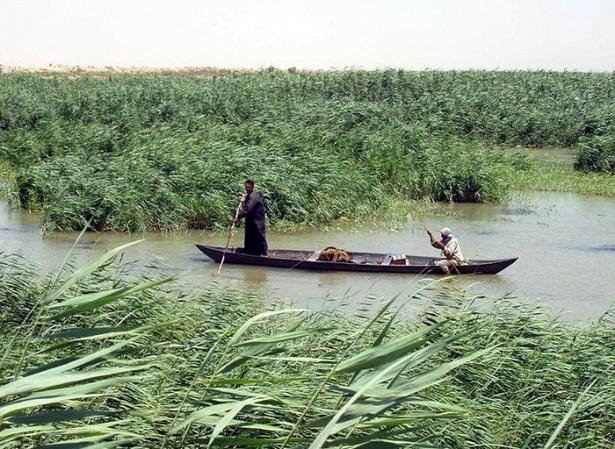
[{"x": 363, "y": 262}]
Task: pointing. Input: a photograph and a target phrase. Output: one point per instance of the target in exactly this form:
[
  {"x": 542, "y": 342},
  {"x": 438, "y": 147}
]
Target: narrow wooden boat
[{"x": 370, "y": 262}]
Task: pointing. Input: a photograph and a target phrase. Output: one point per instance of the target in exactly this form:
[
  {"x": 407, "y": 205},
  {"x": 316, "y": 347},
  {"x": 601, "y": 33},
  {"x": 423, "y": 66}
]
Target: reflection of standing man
[{"x": 253, "y": 211}]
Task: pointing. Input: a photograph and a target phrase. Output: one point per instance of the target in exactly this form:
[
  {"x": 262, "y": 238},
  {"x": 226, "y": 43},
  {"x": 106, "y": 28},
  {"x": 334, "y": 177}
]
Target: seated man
[{"x": 450, "y": 250}]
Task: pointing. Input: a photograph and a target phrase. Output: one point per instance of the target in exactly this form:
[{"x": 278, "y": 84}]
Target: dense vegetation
[
  {"x": 171, "y": 151},
  {"x": 597, "y": 154},
  {"x": 97, "y": 358}
]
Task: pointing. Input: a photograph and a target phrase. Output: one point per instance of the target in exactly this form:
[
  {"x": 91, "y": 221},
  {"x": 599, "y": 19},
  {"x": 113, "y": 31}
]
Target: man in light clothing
[{"x": 450, "y": 250}]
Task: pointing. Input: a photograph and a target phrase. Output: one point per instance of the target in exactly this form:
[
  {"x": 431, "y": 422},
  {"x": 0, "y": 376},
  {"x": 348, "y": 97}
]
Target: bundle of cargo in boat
[{"x": 399, "y": 259}]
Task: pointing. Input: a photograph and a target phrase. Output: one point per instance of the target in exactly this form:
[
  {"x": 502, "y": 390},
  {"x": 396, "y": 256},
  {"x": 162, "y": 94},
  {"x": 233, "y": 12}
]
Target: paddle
[
  {"x": 435, "y": 243},
  {"x": 230, "y": 232}
]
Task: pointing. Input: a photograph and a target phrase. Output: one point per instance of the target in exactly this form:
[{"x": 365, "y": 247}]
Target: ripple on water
[
  {"x": 605, "y": 247},
  {"x": 517, "y": 211},
  {"x": 16, "y": 228}
]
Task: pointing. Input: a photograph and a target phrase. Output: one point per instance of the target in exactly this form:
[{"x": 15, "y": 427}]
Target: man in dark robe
[{"x": 253, "y": 210}]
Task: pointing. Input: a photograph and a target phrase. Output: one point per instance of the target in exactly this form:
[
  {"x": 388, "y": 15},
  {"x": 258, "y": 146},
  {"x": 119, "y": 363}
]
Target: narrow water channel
[{"x": 565, "y": 244}]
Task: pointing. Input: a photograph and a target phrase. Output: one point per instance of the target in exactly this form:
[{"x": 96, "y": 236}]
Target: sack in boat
[{"x": 333, "y": 254}]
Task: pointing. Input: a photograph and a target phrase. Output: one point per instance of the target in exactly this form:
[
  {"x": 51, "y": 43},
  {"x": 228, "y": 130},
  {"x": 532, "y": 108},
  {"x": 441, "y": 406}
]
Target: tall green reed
[{"x": 162, "y": 366}]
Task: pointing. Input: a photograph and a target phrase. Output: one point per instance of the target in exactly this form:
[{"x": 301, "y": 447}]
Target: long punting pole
[{"x": 230, "y": 233}]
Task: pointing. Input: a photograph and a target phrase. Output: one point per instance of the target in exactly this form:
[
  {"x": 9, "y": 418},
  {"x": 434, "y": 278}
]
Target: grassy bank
[
  {"x": 553, "y": 177},
  {"x": 553, "y": 170},
  {"x": 99, "y": 358},
  {"x": 132, "y": 152}
]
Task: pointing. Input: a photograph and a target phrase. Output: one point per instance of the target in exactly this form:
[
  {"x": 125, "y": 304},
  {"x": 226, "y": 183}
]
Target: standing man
[
  {"x": 450, "y": 250},
  {"x": 253, "y": 210}
]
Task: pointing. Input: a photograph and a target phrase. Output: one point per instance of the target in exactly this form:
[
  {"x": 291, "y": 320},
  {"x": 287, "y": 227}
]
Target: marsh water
[{"x": 565, "y": 244}]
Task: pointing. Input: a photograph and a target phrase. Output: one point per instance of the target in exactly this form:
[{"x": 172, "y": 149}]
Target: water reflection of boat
[{"x": 366, "y": 262}]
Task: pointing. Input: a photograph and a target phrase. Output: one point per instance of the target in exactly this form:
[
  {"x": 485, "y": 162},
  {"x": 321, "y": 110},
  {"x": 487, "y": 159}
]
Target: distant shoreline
[
  {"x": 61, "y": 68},
  {"x": 207, "y": 70}
]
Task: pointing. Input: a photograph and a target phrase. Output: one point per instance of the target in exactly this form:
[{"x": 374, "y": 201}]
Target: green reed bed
[
  {"x": 166, "y": 178},
  {"x": 131, "y": 152},
  {"x": 99, "y": 357}
]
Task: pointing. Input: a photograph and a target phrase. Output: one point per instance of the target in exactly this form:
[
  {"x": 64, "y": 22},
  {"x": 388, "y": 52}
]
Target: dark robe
[{"x": 253, "y": 211}]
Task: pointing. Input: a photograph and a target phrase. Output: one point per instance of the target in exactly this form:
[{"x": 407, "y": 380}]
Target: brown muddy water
[{"x": 565, "y": 244}]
